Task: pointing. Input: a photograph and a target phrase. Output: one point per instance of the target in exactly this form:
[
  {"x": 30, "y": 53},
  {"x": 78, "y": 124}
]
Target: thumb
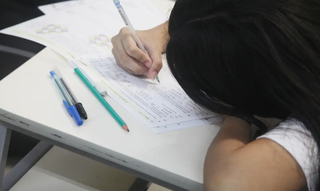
[{"x": 155, "y": 65}]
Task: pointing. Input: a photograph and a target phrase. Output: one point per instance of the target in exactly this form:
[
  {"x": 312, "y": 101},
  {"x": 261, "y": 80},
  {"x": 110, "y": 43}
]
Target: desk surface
[{"x": 29, "y": 100}]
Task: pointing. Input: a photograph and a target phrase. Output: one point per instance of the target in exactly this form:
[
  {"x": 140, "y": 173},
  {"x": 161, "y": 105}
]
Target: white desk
[{"x": 29, "y": 103}]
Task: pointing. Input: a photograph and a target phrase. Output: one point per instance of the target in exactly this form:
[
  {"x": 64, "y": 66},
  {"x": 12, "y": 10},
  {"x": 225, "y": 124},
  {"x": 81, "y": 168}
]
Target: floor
[{"x": 62, "y": 170}]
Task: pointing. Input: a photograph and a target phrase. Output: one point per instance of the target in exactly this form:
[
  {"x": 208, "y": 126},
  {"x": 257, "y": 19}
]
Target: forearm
[
  {"x": 234, "y": 134},
  {"x": 161, "y": 33}
]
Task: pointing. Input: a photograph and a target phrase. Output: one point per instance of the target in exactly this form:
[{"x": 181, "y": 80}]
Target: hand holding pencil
[{"x": 139, "y": 52}]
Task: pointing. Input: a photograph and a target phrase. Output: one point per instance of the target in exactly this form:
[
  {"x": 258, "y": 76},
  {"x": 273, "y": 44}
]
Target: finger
[
  {"x": 156, "y": 64},
  {"x": 117, "y": 61},
  {"x": 128, "y": 63},
  {"x": 134, "y": 67},
  {"x": 117, "y": 51},
  {"x": 134, "y": 51},
  {"x": 114, "y": 52},
  {"x": 124, "y": 60}
]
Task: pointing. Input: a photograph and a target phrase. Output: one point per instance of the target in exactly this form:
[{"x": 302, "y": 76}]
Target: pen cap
[
  {"x": 81, "y": 111},
  {"x": 75, "y": 115}
]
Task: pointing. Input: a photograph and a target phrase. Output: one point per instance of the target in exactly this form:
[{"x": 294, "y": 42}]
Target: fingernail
[
  {"x": 154, "y": 75},
  {"x": 148, "y": 64}
]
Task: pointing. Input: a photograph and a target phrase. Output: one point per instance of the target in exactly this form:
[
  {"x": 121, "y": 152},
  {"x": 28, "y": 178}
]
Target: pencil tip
[{"x": 125, "y": 127}]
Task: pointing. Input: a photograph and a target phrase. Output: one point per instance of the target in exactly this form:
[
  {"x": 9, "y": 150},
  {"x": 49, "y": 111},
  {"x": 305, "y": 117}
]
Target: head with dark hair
[{"x": 249, "y": 58}]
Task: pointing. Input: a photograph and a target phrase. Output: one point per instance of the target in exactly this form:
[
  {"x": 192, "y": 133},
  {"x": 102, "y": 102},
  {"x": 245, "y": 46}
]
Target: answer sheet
[{"x": 156, "y": 104}]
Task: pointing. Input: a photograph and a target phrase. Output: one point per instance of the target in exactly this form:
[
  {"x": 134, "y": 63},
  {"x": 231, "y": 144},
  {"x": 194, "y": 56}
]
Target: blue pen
[{"x": 72, "y": 110}]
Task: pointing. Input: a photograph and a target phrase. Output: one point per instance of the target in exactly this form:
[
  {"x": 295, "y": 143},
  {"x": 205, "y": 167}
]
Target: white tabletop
[{"x": 28, "y": 96}]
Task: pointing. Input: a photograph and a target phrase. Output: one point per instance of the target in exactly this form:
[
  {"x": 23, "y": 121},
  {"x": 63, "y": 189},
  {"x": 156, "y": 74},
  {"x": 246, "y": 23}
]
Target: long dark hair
[{"x": 249, "y": 57}]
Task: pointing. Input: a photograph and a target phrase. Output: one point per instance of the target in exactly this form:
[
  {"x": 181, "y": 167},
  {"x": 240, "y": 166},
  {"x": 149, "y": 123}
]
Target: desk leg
[
  {"x": 5, "y": 135},
  {"x": 25, "y": 164},
  {"x": 140, "y": 185}
]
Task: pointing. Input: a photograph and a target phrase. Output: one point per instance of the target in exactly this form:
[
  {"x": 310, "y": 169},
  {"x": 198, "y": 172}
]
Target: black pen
[{"x": 78, "y": 105}]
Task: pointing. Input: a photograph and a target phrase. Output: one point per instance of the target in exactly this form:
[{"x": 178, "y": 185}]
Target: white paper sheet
[
  {"x": 76, "y": 35},
  {"x": 62, "y": 6},
  {"x": 82, "y": 30},
  {"x": 142, "y": 15},
  {"x": 156, "y": 105},
  {"x": 86, "y": 29},
  {"x": 187, "y": 124}
]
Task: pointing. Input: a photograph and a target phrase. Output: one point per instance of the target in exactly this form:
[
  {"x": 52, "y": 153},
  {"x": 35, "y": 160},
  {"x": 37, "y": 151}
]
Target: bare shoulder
[{"x": 260, "y": 165}]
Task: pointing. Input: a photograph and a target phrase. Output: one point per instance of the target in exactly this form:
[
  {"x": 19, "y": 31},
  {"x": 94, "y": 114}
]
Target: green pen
[{"x": 101, "y": 99}]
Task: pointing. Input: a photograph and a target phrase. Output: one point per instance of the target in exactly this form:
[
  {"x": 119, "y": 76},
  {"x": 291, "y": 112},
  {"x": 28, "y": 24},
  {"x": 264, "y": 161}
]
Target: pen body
[
  {"x": 61, "y": 88},
  {"x": 73, "y": 98},
  {"x": 67, "y": 101}
]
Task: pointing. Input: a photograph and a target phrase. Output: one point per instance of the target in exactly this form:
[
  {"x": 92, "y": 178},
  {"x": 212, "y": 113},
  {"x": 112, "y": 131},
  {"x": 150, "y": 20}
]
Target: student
[{"x": 243, "y": 59}]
